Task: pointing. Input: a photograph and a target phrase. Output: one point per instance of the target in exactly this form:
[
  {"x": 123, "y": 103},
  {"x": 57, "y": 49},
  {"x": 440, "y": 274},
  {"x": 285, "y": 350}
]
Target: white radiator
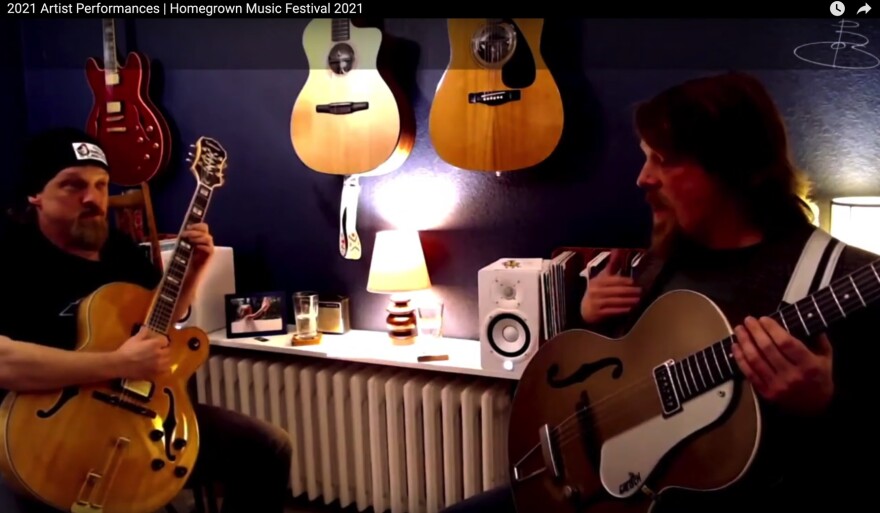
[{"x": 371, "y": 436}]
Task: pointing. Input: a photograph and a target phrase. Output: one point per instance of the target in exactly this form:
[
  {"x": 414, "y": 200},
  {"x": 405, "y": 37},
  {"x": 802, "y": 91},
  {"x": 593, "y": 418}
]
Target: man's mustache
[
  {"x": 656, "y": 200},
  {"x": 92, "y": 212}
]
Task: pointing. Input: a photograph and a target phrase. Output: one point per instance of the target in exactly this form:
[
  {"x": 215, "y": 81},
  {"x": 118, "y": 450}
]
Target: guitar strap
[
  {"x": 349, "y": 241},
  {"x": 808, "y": 275}
]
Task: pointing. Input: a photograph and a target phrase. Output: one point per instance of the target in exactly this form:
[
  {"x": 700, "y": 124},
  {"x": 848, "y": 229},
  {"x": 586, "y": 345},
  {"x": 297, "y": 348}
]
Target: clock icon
[{"x": 837, "y": 8}]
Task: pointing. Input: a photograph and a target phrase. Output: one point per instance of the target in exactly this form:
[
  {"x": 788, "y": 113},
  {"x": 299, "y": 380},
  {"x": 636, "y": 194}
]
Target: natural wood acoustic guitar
[
  {"x": 132, "y": 130},
  {"x": 122, "y": 446},
  {"x": 497, "y": 107},
  {"x": 602, "y": 425},
  {"x": 349, "y": 118}
]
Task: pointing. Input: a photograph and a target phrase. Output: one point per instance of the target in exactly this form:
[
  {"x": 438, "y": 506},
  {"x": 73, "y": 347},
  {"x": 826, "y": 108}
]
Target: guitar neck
[
  {"x": 804, "y": 319},
  {"x": 111, "y": 65},
  {"x": 162, "y": 312},
  {"x": 340, "y": 30}
]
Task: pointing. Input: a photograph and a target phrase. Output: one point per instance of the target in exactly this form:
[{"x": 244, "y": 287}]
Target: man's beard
[
  {"x": 89, "y": 233},
  {"x": 664, "y": 228}
]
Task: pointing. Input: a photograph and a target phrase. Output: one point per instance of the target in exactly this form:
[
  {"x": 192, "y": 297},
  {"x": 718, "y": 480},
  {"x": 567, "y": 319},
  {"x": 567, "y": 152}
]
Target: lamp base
[{"x": 401, "y": 321}]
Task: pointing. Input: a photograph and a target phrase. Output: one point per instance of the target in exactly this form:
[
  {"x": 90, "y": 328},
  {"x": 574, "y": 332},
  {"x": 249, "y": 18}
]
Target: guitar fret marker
[{"x": 857, "y": 291}]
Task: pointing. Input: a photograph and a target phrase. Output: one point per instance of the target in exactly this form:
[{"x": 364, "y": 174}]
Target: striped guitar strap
[{"x": 815, "y": 267}]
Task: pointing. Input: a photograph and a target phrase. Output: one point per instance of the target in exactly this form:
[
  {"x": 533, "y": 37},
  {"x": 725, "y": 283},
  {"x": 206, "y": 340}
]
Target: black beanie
[{"x": 49, "y": 152}]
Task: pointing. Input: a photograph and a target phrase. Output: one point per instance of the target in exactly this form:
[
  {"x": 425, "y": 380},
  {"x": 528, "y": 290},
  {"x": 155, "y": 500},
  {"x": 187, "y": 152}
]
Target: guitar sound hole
[
  {"x": 494, "y": 44},
  {"x": 341, "y": 58}
]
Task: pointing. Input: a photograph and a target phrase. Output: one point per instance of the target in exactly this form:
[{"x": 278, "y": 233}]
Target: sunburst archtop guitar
[
  {"x": 349, "y": 119},
  {"x": 122, "y": 446},
  {"x": 602, "y": 425},
  {"x": 131, "y": 129},
  {"x": 497, "y": 107}
]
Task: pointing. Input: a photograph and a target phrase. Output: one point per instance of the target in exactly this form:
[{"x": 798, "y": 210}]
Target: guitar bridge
[
  {"x": 342, "y": 107},
  {"x": 494, "y": 98}
]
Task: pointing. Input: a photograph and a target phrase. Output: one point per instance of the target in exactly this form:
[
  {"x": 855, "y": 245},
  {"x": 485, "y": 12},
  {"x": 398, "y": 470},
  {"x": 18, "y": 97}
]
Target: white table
[{"x": 376, "y": 348}]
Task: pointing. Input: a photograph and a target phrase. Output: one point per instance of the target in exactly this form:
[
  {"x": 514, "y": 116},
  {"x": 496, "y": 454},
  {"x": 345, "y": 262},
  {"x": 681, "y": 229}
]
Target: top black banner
[{"x": 751, "y": 9}]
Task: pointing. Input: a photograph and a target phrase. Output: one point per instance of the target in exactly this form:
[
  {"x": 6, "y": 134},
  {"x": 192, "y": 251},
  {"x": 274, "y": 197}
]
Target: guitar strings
[{"x": 568, "y": 434}]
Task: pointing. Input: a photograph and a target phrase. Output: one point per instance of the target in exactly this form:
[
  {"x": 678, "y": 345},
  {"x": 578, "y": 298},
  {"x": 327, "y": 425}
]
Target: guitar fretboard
[
  {"x": 110, "y": 64},
  {"x": 806, "y": 318},
  {"x": 162, "y": 313},
  {"x": 340, "y": 30}
]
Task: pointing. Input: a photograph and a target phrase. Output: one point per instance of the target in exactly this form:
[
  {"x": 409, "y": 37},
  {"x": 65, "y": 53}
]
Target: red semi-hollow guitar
[{"x": 132, "y": 130}]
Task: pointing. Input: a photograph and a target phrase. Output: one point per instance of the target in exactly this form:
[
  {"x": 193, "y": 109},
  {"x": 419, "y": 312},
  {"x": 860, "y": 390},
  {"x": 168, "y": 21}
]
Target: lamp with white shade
[
  {"x": 855, "y": 220},
  {"x": 398, "y": 268}
]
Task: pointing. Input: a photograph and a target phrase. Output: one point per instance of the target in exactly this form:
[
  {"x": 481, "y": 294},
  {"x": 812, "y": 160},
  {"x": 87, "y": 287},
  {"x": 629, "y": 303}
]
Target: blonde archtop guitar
[{"x": 122, "y": 446}]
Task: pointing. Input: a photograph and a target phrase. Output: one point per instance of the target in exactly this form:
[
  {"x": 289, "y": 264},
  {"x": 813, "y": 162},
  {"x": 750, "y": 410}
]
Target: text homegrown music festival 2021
[{"x": 182, "y": 9}]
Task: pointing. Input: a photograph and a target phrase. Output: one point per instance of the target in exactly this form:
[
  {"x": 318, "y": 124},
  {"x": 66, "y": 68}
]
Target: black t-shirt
[
  {"x": 42, "y": 285},
  {"x": 801, "y": 464}
]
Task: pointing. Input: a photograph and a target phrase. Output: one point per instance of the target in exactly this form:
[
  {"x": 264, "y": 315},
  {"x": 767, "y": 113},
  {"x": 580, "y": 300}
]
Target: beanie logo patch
[{"x": 89, "y": 151}]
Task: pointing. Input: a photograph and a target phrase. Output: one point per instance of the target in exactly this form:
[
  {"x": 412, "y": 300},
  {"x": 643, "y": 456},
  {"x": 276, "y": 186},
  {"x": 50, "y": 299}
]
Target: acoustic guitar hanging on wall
[
  {"x": 132, "y": 130},
  {"x": 350, "y": 118},
  {"x": 497, "y": 107}
]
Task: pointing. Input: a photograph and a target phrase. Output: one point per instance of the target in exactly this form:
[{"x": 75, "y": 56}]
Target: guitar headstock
[{"x": 208, "y": 162}]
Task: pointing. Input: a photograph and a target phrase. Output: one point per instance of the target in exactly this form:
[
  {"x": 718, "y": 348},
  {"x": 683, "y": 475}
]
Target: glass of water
[
  {"x": 430, "y": 319},
  {"x": 305, "y": 311}
]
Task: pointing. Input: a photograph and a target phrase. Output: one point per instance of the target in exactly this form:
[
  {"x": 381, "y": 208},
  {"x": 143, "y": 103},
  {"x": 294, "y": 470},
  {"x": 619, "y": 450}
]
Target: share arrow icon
[{"x": 865, "y": 8}]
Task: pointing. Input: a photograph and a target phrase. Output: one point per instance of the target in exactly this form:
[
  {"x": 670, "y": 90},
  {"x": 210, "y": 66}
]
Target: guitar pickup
[
  {"x": 342, "y": 107},
  {"x": 115, "y": 400},
  {"x": 494, "y": 98},
  {"x": 669, "y": 398}
]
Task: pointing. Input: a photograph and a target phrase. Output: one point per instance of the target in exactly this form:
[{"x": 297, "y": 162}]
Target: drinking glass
[
  {"x": 430, "y": 319},
  {"x": 305, "y": 311}
]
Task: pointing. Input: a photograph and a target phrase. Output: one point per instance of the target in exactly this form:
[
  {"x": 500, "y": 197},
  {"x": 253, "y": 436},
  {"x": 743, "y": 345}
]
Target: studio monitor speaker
[{"x": 510, "y": 303}]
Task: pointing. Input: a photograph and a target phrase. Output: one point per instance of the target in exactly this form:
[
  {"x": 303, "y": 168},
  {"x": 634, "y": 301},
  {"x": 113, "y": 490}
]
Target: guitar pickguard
[
  {"x": 583, "y": 372},
  {"x": 520, "y": 71},
  {"x": 630, "y": 458}
]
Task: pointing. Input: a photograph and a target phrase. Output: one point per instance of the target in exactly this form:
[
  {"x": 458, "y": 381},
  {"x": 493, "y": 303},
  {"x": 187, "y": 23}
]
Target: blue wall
[
  {"x": 237, "y": 80},
  {"x": 13, "y": 114}
]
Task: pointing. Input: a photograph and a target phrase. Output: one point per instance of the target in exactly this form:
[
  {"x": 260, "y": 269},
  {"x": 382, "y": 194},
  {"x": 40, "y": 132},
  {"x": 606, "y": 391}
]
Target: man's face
[
  {"x": 75, "y": 202},
  {"x": 681, "y": 195}
]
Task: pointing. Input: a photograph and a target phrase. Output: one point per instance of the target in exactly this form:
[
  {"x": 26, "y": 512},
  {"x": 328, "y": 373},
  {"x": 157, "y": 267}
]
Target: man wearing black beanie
[{"x": 57, "y": 249}]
